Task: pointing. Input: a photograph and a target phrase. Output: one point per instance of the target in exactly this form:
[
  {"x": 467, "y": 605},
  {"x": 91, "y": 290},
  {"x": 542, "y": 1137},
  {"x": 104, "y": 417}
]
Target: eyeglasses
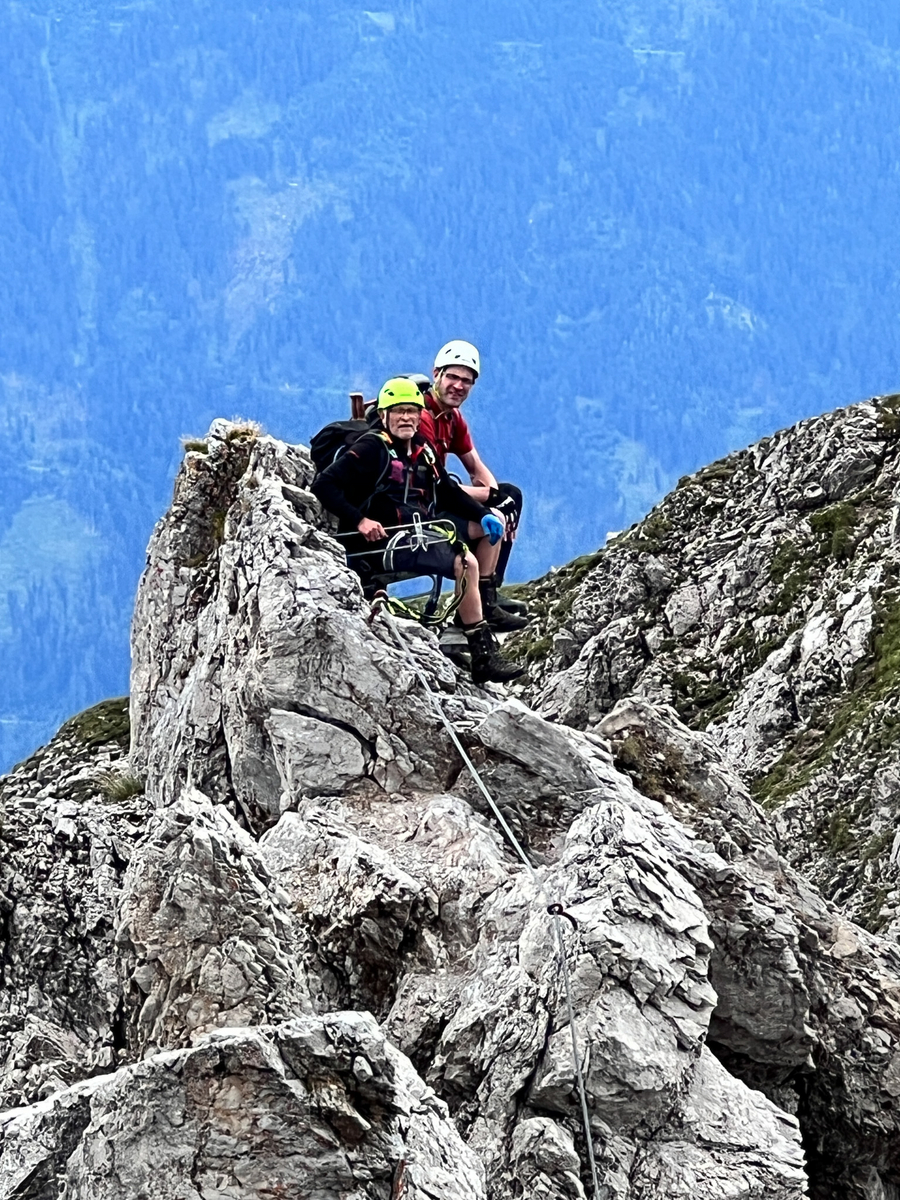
[{"x": 459, "y": 379}]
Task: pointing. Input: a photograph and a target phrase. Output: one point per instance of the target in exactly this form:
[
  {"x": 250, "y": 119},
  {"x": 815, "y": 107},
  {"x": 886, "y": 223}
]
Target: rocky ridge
[
  {"x": 303, "y": 960},
  {"x": 761, "y": 599}
]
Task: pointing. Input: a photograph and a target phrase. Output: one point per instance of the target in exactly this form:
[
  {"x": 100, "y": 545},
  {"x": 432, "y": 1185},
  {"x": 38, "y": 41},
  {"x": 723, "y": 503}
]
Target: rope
[
  {"x": 441, "y": 615},
  {"x": 387, "y": 528},
  {"x": 554, "y": 910}
]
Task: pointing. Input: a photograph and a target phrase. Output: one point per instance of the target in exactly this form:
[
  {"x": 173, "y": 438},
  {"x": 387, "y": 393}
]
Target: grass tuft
[
  {"x": 243, "y": 431},
  {"x": 833, "y": 526},
  {"x": 889, "y": 416},
  {"x": 120, "y": 785}
]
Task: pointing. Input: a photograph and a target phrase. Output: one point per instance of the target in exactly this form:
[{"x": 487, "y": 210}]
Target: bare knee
[{"x": 467, "y": 564}]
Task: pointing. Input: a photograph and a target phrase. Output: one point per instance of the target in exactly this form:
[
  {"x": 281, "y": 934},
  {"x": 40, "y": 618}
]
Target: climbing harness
[
  {"x": 416, "y": 536},
  {"x": 420, "y": 537},
  {"x": 554, "y": 909}
]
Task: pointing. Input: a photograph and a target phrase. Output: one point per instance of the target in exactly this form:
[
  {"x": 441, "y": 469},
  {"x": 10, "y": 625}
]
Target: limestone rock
[
  {"x": 66, "y": 842},
  {"x": 718, "y": 1142},
  {"x": 247, "y": 619},
  {"x": 760, "y": 599},
  {"x": 321, "y": 1106},
  {"x": 808, "y": 1006},
  {"x": 306, "y": 957},
  {"x": 205, "y": 939}
]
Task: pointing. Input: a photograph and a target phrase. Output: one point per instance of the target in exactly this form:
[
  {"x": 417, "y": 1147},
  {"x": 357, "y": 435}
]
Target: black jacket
[{"x": 378, "y": 478}]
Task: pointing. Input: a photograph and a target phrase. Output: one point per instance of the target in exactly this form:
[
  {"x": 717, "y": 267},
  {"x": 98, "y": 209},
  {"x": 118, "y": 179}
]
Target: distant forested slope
[{"x": 671, "y": 228}]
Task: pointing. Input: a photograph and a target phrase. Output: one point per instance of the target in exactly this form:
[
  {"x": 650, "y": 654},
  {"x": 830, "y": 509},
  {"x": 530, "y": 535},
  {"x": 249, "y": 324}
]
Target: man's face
[
  {"x": 403, "y": 421},
  {"x": 453, "y": 385}
]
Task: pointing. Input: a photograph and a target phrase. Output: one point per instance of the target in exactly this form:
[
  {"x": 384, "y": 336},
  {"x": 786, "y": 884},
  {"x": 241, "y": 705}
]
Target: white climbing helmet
[{"x": 458, "y": 354}]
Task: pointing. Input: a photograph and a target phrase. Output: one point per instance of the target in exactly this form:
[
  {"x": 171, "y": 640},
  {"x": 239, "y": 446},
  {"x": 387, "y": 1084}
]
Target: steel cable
[{"x": 554, "y": 909}]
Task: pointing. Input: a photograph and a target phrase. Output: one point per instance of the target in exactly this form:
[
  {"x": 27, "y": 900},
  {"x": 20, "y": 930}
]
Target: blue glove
[{"x": 493, "y": 528}]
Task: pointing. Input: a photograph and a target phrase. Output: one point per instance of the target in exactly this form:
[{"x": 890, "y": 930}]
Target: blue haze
[{"x": 671, "y": 227}]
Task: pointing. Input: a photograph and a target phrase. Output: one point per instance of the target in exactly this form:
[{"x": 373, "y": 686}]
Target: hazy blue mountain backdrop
[{"x": 671, "y": 226}]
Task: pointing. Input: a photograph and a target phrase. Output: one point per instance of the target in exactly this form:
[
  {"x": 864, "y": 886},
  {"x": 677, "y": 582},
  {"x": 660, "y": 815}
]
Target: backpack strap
[
  {"x": 426, "y": 452},
  {"x": 391, "y": 454}
]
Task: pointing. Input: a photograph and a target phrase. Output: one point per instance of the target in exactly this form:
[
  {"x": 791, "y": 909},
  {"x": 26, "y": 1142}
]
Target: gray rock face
[
  {"x": 65, "y": 847},
  {"x": 317, "y": 1106},
  {"x": 316, "y": 965},
  {"x": 807, "y": 1003},
  {"x": 267, "y": 626},
  {"x": 760, "y": 599},
  {"x": 205, "y": 939}
]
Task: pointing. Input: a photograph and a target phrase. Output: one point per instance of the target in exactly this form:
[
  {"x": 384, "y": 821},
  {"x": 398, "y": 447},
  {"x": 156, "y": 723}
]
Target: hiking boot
[
  {"x": 501, "y": 620},
  {"x": 519, "y": 607},
  {"x": 487, "y": 664},
  {"x": 498, "y": 617}
]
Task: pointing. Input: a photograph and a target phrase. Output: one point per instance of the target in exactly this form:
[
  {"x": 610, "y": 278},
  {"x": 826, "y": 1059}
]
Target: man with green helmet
[{"x": 391, "y": 476}]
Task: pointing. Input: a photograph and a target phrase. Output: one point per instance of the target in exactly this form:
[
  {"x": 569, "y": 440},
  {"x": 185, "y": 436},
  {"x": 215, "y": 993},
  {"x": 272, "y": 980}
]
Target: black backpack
[{"x": 331, "y": 441}]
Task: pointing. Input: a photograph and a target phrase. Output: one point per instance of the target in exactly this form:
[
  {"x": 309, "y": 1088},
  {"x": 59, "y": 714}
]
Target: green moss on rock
[
  {"x": 717, "y": 471},
  {"x": 878, "y": 680},
  {"x": 537, "y": 649},
  {"x": 789, "y": 571},
  {"x": 889, "y": 416},
  {"x": 834, "y": 526},
  {"x": 871, "y": 917},
  {"x": 788, "y": 557},
  {"x": 698, "y": 699},
  {"x": 657, "y": 771},
  {"x": 652, "y": 533},
  {"x": 840, "y": 837},
  {"x": 107, "y": 721}
]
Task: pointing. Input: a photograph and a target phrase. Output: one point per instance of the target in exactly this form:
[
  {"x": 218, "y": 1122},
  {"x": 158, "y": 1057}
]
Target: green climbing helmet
[{"x": 399, "y": 391}]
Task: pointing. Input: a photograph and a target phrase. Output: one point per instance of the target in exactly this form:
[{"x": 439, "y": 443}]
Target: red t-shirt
[{"x": 446, "y": 430}]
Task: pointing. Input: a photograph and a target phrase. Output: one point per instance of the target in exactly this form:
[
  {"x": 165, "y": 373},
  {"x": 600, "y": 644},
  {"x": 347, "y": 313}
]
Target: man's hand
[
  {"x": 506, "y": 508},
  {"x": 509, "y": 531},
  {"x": 372, "y": 531}
]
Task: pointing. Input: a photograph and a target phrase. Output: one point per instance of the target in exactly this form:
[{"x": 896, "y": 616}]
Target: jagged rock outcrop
[
  {"x": 253, "y": 664},
  {"x": 70, "y": 819},
  {"x": 317, "y": 1106},
  {"x": 760, "y": 598},
  {"x": 808, "y": 1005},
  {"x": 205, "y": 938},
  {"x": 321, "y": 959}
]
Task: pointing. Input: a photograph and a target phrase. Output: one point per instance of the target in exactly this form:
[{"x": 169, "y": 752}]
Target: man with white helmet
[{"x": 456, "y": 369}]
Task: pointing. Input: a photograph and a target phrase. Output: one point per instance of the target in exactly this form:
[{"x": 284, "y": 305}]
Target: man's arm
[
  {"x": 351, "y": 478},
  {"x": 453, "y": 498},
  {"x": 478, "y": 472}
]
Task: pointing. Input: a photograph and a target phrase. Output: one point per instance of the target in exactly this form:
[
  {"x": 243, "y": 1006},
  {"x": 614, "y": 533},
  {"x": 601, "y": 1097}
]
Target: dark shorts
[
  {"x": 439, "y": 559},
  {"x": 461, "y": 524}
]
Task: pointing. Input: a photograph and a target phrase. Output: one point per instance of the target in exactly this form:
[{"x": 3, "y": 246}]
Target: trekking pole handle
[{"x": 357, "y": 406}]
